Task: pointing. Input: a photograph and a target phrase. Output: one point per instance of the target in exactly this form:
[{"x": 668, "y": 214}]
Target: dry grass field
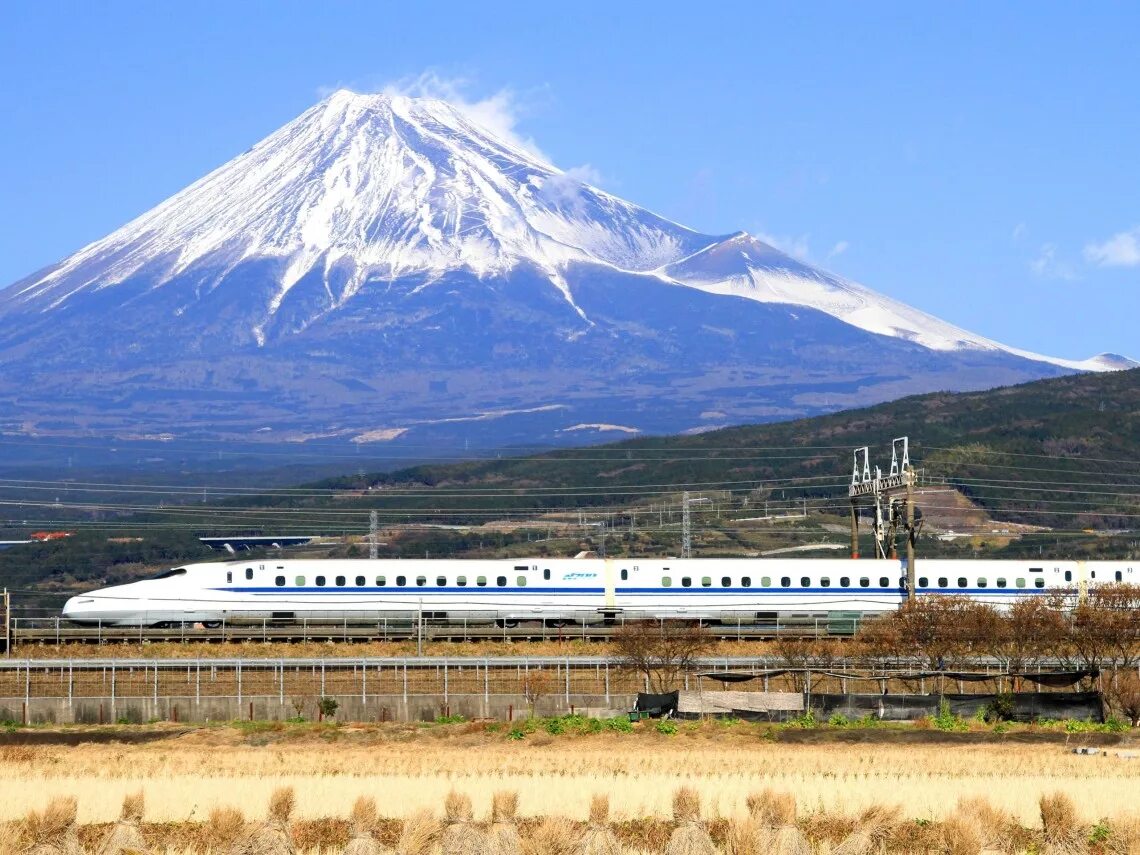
[{"x": 190, "y": 774}]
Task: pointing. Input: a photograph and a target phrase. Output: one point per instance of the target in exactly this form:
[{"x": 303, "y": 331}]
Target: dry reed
[
  {"x": 872, "y": 829},
  {"x": 599, "y": 838},
  {"x": 224, "y": 829},
  {"x": 504, "y": 833},
  {"x": 1063, "y": 834},
  {"x": 420, "y": 832},
  {"x": 51, "y": 831},
  {"x": 125, "y": 838},
  {"x": 555, "y": 835}
]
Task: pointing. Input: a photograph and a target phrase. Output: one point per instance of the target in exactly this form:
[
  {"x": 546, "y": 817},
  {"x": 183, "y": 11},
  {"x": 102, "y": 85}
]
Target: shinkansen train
[{"x": 564, "y": 591}]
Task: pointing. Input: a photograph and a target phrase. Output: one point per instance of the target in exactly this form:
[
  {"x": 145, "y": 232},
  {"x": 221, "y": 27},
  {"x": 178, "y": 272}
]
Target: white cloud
[
  {"x": 1120, "y": 250},
  {"x": 796, "y": 247},
  {"x": 1019, "y": 231},
  {"x": 1048, "y": 266},
  {"x": 839, "y": 248},
  {"x": 564, "y": 189}
]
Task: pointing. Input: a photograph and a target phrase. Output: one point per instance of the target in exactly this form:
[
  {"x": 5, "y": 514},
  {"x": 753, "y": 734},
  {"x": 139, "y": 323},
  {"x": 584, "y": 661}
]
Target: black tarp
[
  {"x": 1027, "y": 706},
  {"x": 1053, "y": 679},
  {"x": 657, "y": 705}
]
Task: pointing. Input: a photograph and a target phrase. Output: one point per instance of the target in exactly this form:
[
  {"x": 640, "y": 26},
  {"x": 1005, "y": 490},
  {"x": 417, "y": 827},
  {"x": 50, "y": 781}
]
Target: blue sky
[{"x": 980, "y": 161}]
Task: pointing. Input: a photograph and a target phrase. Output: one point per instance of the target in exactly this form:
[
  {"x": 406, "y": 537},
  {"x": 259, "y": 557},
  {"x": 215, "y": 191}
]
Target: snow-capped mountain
[{"x": 383, "y": 264}]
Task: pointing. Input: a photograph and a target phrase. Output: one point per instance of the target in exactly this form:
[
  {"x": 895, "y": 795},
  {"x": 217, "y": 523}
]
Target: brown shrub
[{"x": 1063, "y": 834}]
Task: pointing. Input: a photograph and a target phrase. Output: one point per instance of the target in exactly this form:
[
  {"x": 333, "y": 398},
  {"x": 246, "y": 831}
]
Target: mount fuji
[{"x": 383, "y": 269}]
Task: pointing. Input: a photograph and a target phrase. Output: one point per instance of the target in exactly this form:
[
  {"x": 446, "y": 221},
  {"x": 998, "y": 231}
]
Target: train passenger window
[
  {"x": 461, "y": 581},
  {"x": 381, "y": 581},
  {"x": 825, "y": 582},
  {"x": 401, "y": 581},
  {"x": 745, "y": 581},
  {"x": 1038, "y": 582},
  {"x": 320, "y": 581},
  {"x": 805, "y": 582},
  {"x": 1093, "y": 574},
  {"x": 963, "y": 582},
  {"x": 421, "y": 581},
  {"x": 1068, "y": 575},
  {"x": 884, "y": 582},
  {"x": 229, "y": 576},
  {"x": 666, "y": 582},
  {"x": 340, "y": 580},
  {"x": 785, "y": 582},
  {"x": 725, "y": 582},
  {"x": 943, "y": 582},
  {"x": 299, "y": 581},
  {"x": 1001, "y": 582},
  {"x": 501, "y": 581},
  {"x": 686, "y": 581},
  {"x": 249, "y": 572},
  {"x": 864, "y": 582},
  {"x": 624, "y": 574},
  {"x": 923, "y": 582},
  {"x": 522, "y": 581},
  {"x": 981, "y": 581},
  {"x": 481, "y": 581},
  {"x": 279, "y": 581},
  {"x": 766, "y": 581},
  {"x": 441, "y": 581},
  {"x": 545, "y": 574},
  {"x": 361, "y": 581},
  {"x": 706, "y": 581},
  {"x": 1020, "y": 582},
  {"x": 845, "y": 581}
]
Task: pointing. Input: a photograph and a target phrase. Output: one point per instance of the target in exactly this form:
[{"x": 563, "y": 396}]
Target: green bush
[
  {"x": 1001, "y": 708},
  {"x": 669, "y": 728},
  {"x": 328, "y": 707},
  {"x": 839, "y": 720},
  {"x": 947, "y": 720},
  {"x": 450, "y": 719},
  {"x": 620, "y": 724},
  {"x": 806, "y": 721}
]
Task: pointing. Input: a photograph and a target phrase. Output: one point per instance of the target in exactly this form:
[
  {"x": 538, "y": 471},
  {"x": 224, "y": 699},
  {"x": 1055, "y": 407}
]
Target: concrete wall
[{"x": 351, "y": 708}]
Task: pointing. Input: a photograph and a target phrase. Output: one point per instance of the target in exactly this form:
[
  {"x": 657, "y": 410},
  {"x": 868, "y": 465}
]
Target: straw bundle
[
  {"x": 272, "y": 836},
  {"x": 959, "y": 835},
  {"x": 599, "y": 839},
  {"x": 555, "y": 835},
  {"x": 126, "y": 838},
  {"x": 747, "y": 836},
  {"x": 1063, "y": 833},
  {"x": 420, "y": 833},
  {"x": 504, "y": 834},
  {"x": 996, "y": 829},
  {"x": 461, "y": 836},
  {"x": 224, "y": 829},
  {"x": 363, "y": 821},
  {"x": 51, "y": 831},
  {"x": 689, "y": 837},
  {"x": 775, "y": 813},
  {"x": 871, "y": 831}
]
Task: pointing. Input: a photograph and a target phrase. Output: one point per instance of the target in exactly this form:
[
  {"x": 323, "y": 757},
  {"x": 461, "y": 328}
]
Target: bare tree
[{"x": 661, "y": 651}]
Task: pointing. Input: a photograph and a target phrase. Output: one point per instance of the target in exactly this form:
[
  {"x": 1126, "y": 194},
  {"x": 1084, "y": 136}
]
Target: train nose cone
[{"x": 71, "y": 608}]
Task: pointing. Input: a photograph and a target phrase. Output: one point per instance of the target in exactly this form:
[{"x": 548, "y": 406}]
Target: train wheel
[
  {"x": 212, "y": 624},
  {"x": 506, "y": 624}
]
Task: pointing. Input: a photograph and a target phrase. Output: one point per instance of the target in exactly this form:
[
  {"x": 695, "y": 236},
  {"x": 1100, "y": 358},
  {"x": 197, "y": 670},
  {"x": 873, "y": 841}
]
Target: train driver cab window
[
  {"x": 229, "y": 576},
  {"x": 381, "y": 581},
  {"x": 320, "y": 581},
  {"x": 805, "y": 582},
  {"x": 725, "y": 582},
  {"x": 501, "y": 581},
  {"x": 765, "y": 581},
  {"x": 421, "y": 581},
  {"x": 666, "y": 582},
  {"x": 825, "y": 582},
  {"x": 624, "y": 574},
  {"x": 844, "y": 581},
  {"x": 1038, "y": 582},
  {"x": 279, "y": 581},
  {"x": 981, "y": 581},
  {"x": 361, "y": 581},
  {"x": 1020, "y": 582},
  {"x": 686, "y": 581},
  {"x": 745, "y": 581},
  {"x": 401, "y": 581},
  {"x": 923, "y": 582},
  {"x": 340, "y": 580},
  {"x": 706, "y": 581},
  {"x": 249, "y": 572},
  {"x": 546, "y": 574},
  {"x": 785, "y": 582},
  {"x": 481, "y": 581},
  {"x": 1001, "y": 582},
  {"x": 522, "y": 581},
  {"x": 1068, "y": 575},
  {"x": 864, "y": 582},
  {"x": 441, "y": 581},
  {"x": 299, "y": 581},
  {"x": 943, "y": 582},
  {"x": 461, "y": 581}
]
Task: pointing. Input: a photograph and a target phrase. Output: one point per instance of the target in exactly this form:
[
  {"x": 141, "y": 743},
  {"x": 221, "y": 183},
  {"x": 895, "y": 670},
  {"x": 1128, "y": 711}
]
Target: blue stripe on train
[{"x": 846, "y": 592}]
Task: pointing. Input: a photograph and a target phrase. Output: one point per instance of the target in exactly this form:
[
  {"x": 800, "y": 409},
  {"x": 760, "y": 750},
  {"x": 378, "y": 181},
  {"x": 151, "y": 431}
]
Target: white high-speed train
[{"x": 736, "y": 590}]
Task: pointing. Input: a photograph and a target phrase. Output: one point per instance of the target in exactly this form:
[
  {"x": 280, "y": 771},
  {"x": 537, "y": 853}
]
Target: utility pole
[
  {"x": 7, "y": 624},
  {"x": 686, "y": 528},
  {"x": 373, "y": 531},
  {"x": 879, "y": 490}
]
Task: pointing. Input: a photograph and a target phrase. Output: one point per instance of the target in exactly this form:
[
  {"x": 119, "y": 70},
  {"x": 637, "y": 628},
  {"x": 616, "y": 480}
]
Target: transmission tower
[
  {"x": 686, "y": 528},
  {"x": 373, "y": 531}
]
